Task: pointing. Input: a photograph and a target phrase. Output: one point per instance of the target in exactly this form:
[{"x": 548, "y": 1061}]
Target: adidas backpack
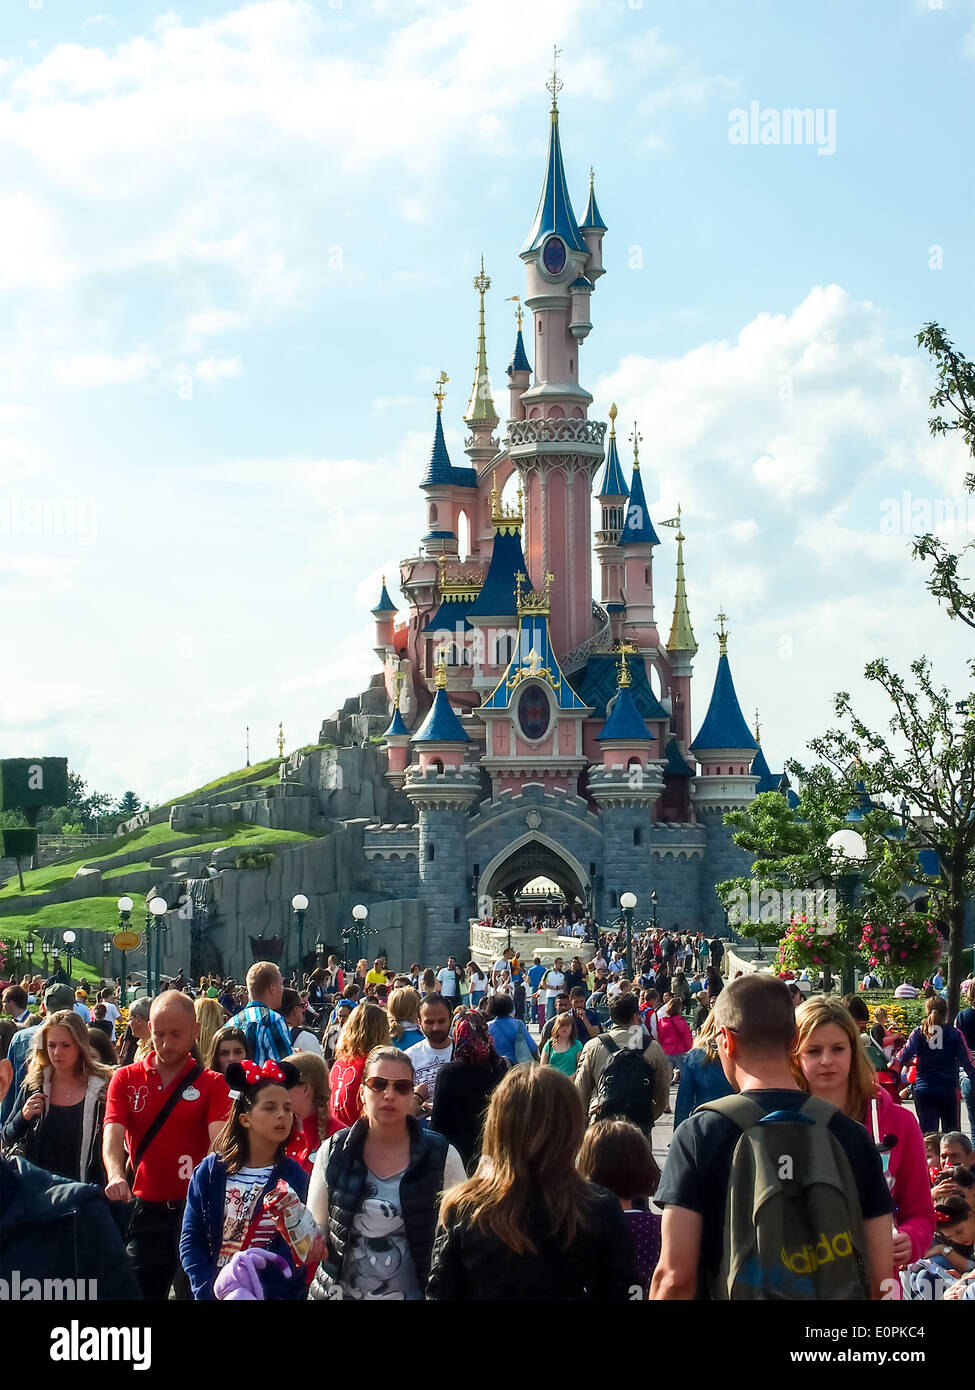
[{"x": 793, "y": 1229}]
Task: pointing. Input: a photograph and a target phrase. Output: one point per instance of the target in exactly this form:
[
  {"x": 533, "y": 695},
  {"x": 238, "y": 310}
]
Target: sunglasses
[{"x": 402, "y": 1087}]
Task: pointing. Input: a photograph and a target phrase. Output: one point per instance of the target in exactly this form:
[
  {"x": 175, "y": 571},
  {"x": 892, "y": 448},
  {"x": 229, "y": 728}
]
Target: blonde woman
[
  {"x": 529, "y": 1226},
  {"x": 403, "y": 1012},
  {"x": 830, "y": 1062},
  {"x": 563, "y": 1049},
  {"x": 367, "y": 1028},
  {"x": 211, "y": 1018},
  {"x": 58, "y": 1115},
  {"x": 309, "y": 1105},
  {"x": 702, "y": 1077}
]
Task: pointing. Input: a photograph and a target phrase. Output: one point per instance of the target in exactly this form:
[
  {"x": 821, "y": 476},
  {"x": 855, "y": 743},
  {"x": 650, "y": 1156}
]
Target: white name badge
[{"x": 191, "y": 1093}]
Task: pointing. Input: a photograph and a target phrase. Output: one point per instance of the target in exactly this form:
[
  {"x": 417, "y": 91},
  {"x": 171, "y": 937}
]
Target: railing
[
  {"x": 600, "y": 641},
  {"x": 554, "y": 432}
]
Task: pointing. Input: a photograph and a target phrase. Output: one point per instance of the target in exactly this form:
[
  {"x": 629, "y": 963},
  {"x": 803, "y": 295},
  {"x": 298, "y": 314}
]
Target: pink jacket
[
  {"x": 673, "y": 1034},
  {"x": 908, "y": 1171}
]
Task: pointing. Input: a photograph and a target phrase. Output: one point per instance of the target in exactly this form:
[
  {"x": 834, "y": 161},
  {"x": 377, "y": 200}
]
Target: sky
[{"x": 237, "y": 245}]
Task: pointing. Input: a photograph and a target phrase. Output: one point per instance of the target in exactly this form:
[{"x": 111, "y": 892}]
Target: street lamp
[
  {"x": 29, "y": 951},
  {"x": 319, "y": 949},
  {"x": 107, "y": 957},
  {"x": 359, "y": 914},
  {"x": 628, "y": 903},
  {"x": 849, "y": 851},
  {"x": 300, "y": 904},
  {"x": 158, "y": 908},
  {"x": 69, "y": 938},
  {"x": 653, "y": 900},
  {"x": 18, "y": 952}
]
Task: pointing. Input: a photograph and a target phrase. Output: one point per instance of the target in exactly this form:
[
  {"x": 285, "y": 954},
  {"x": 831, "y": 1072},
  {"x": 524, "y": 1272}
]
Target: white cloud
[
  {"x": 214, "y": 369},
  {"x": 95, "y": 369}
]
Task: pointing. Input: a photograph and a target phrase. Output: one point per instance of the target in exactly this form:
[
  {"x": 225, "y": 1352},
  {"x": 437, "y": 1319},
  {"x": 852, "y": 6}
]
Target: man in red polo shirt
[{"x": 136, "y": 1095}]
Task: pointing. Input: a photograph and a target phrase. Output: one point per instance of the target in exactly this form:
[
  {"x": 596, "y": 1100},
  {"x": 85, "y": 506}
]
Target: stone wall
[{"x": 724, "y": 859}]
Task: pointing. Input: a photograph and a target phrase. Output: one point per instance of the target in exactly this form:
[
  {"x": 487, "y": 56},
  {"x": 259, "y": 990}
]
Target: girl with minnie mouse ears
[{"x": 246, "y": 1199}]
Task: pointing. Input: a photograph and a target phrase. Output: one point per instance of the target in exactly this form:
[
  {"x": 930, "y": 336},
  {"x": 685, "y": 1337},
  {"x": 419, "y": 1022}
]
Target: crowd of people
[{"x": 485, "y": 1131}]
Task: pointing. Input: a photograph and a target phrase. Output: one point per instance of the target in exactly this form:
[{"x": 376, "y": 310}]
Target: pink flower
[
  {"x": 873, "y": 960},
  {"x": 816, "y": 960},
  {"x": 903, "y": 955}
]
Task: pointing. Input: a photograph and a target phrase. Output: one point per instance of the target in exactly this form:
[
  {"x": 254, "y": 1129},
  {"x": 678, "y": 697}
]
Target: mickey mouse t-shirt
[{"x": 379, "y": 1263}]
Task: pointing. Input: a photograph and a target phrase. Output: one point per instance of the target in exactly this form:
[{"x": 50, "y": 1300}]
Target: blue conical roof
[
  {"x": 724, "y": 724},
  {"x": 385, "y": 604},
  {"x": 441, "y": 724},
  {"x": 624, "y": 721},
  {"x": 519, "y": 358},
  {"x": 613, "y": 483},
  {"x": 592, "y": 218},
  {"x": 554, "y": 212},
  {"x": 637, "y": 526},
  {"x": 677, "y": 764},
  {"x": 397, "y": 727},
  {"x": 767, "y": 780},
  {"x": 497, "y": 596},
  {"x": 440, "y": 471}
]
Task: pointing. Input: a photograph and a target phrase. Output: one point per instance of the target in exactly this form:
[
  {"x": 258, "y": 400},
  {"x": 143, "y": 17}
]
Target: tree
[
  {"x": 930, "y": 763},
  {"x": 955, "y": 393},
  {"x": 129, "y": 805},
  {"x": 793, "y": 863}
]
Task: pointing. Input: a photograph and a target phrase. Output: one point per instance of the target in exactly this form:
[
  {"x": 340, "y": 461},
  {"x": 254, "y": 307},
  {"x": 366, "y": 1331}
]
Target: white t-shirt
[
  {"x": 307, "y": 1042},
  {"x": 554, "y": 984},
  {"x": 478, "y": 983},
  {"x": 111, "y": 1012},
  {"x": 448, "y": 982},
  {"x": 427, "y": 1062}
]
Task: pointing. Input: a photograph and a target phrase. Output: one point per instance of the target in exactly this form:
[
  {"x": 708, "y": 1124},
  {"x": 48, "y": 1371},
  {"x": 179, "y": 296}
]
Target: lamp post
[
  {"x": 107, "y": 958},
  {"x": 125, "y": 906},
  {"x": 849, "y": 850},
  {"x": 653, "y": 902},
  {"x": 69, "y": 938},
  {"x": 319, "y": 949},
  {"x": 628, "y": 903},
  {"x": 18, "y": 954},
  {"x": 359, "y": 914},
  {"x": 157, "y": 910},
  {"x": 300, "y": 905},
  {"x": 29, "y": 952}
]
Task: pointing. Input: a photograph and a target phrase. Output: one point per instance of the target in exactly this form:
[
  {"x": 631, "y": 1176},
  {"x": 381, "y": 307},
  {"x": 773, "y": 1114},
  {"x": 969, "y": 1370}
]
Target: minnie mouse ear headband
[{"x": 246, "y": 1078}]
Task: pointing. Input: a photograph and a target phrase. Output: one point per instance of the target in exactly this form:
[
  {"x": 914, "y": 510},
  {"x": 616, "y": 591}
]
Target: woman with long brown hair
[
  {"x": 58, "y": 1116},
  {"x": 368, "y": 1027},
  {"x": 211, "y": 1018},
  {"x": 831, "y": 1062},
  {"x": 527, "y": 1225}
]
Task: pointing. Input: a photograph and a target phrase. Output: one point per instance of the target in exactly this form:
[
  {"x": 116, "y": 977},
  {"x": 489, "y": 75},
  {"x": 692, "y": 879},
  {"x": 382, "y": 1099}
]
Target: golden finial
[
  {"x": 555, "y": 83},
  {"x": 494, "y": 492},
  {"x": 442, "y": 564},
  {"x": 441, "y": 681},
  {"x": 722, "y": 634},
  {"x": 623, "y": 677},
  {"x": 680, "y": 535},
  {"x": 516, "y": 299},
  {"x": 636, "y": 439},
  {"x": 482, "y": 282},
  {"x": 398, "y": 681},
  {"x": 281, "y": 739},
  {"x": 440, "y": 393},
  {"x": 501, "y": 515},
  {"x": 520, "y": 579},
  {"x": 612, "y": 421},
  {"x": 758, "y": 729}
]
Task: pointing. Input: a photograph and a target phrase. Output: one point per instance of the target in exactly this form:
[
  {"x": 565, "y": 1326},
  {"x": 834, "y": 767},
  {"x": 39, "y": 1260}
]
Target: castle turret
[
  {"x": 448, "y": 490},
  {"x": 556, "y": 448},
  {"x": 638, "y": 539},
  {"x": 494, "y": 612},
  {"x": 519, "y": 369},
  {"x": 397, "y": 738},
  {"x": 593, "y": 229},
  {"x": 612, "y": 496},
  {"x": 384, "y": 613}
]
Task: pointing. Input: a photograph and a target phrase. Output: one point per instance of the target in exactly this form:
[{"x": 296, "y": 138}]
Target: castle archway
[{"x": 533, "y": 856}]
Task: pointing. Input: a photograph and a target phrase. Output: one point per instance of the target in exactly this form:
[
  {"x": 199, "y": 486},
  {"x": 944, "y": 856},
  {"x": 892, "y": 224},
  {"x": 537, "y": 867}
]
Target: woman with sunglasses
[{"x": 375, "y": 1188}]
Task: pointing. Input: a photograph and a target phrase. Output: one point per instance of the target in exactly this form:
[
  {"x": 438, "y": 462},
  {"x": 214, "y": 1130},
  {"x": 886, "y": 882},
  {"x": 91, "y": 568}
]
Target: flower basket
[
  {"x": 811, "y": 945},
  {"x": 905, "y": 949}
]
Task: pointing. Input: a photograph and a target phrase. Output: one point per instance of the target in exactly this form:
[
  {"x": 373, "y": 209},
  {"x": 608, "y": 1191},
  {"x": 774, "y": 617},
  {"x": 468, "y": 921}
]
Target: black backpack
[{"x": 624, "y": 1091}]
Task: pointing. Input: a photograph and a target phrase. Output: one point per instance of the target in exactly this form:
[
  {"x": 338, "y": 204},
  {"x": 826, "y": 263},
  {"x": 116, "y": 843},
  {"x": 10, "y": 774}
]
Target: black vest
[{"x": 420, "y": 1189}]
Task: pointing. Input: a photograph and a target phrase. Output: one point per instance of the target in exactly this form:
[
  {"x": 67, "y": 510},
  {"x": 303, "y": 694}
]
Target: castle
[{"x": 536, "y": 731}]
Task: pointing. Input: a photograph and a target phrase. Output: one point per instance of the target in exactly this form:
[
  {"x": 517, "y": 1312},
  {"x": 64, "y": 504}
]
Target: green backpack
[{"x": 793, "y": 1228}]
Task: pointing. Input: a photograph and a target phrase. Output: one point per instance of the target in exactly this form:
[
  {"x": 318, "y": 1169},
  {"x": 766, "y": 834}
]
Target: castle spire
[
  {"x": 519, "y": 358},
  {"x": 681, "y": 637},
  {"x": 724, "y": 726},
  {"x": 480, "y": 408},
  {"x": 637, "y": 526},
  {"x": 613, "y": 483},
  {"x": 554, "y": 212}
]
